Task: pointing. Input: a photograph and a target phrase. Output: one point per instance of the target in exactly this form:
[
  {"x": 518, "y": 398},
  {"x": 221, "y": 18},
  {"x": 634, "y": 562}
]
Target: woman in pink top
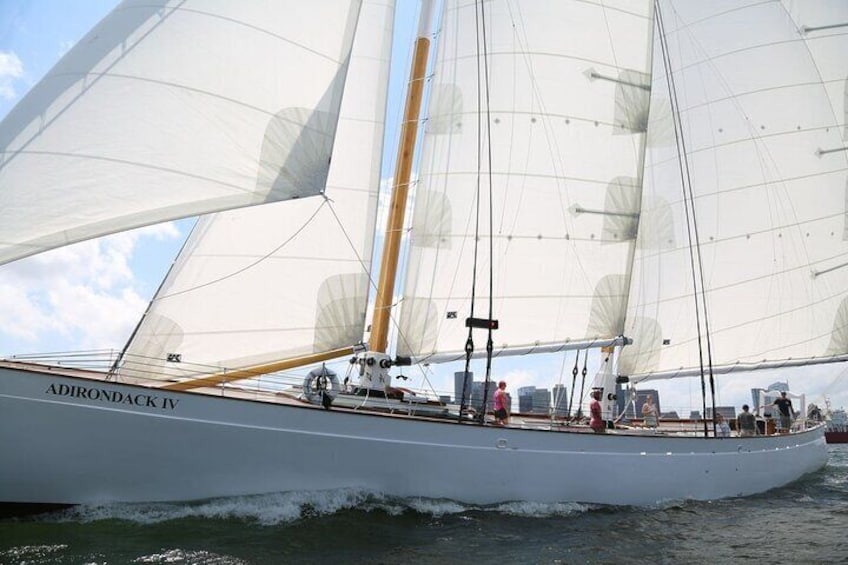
[
  {"x": 501, "y": 413},
  {"x": 596, "y": 423}
]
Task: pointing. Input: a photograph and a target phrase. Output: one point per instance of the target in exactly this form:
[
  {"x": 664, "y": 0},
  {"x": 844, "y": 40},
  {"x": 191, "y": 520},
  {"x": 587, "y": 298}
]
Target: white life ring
[{"x": 320, "y": 381}]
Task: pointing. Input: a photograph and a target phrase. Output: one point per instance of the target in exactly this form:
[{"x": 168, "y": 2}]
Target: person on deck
[
  {"x": 649, "y": 413},
  {"x": 501, "y": 413},
  {"x": 784, "y": 407},
  {"x": 746, "y": 423},
  {"x": 722, "y": 428},
  {"x": 596, "y": 422}
]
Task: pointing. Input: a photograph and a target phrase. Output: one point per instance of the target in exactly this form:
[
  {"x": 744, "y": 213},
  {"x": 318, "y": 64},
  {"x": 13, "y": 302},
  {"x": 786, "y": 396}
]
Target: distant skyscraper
[
  {"x": 541, "y": 401},
  {"x": 477, "y": 390},
  {"x": 533, "y": 400},
  {"x": 729, "y": 412},
  {"x": 457, "y": 386},
  {"x": 523, "y": 390},
  {"x": 560, "y": 401},
  {"x": 525, "y": 399}
]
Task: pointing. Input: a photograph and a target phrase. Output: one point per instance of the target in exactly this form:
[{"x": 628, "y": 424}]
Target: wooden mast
[{"x": 400, "y": 190}]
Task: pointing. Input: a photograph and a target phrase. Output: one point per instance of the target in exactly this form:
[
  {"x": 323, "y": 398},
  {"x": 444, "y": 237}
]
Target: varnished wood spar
[
  {"x": 400, "y": 191},
  {"x": 250, "y": 372}
]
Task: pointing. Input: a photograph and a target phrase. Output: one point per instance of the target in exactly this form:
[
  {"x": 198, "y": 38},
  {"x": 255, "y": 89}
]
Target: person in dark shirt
[
  {"x": 746, "y": 422},
  {"x": 784, "y": 407}
]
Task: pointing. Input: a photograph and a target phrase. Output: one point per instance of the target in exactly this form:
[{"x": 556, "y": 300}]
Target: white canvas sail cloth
[
  {"x": 266, "y": 283},
  {"x": 135, "y": 124},
  {"x": 761, "y": 90},
  {"x": 569, "y": 92}
]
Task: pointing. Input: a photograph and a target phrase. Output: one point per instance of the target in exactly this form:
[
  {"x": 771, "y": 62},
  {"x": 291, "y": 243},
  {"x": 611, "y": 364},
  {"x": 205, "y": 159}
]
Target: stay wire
[
  {"x": 574, "y": 372},
  {"x": 583, "y": 374},
  {"x": 489, "y": 338},
  {"x": 469, "y": 342},
  {"x": 695, "y": 258}
]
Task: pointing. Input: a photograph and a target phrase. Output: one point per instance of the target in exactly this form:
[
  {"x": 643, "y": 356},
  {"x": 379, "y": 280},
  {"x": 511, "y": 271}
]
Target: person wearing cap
[
  {"x": 596, "y": 422},
  {"x": 784, "y": 407},
  {"x": 501, "y": 413}
]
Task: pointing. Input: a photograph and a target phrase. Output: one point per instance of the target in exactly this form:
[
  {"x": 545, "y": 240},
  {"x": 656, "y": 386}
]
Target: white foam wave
[
  {"x": 179, "y": 556},
  {"x": 281, "y": 508},
  {"x": 541, "y": 509},
  {"x": 31, "y": 553}
]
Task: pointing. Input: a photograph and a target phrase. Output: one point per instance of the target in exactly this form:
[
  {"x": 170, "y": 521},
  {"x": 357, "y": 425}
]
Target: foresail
[
  {"x": 761, "y": 89},
  {"x": 289, "y": 279},
  {"x": 568, "y": 96},
  {"x": 169, "y": 109}
]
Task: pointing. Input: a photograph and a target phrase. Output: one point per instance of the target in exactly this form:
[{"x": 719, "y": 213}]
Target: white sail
[
  {"x": 760, "y": 88},
  {"x": 568, "y": 100},
  {"x": 265, "y": 283},
  {"x": 135, "y": 126}
]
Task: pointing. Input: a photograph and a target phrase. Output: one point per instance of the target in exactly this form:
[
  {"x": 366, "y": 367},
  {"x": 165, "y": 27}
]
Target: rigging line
[
  {"x": 120, "y": 358},
  {"x": 559, "y": 399},
  {"x": 690, "y": 224},
  {"x": 254, "y": 263},
  {"x": 469, "y": 342},
  {"x": 573, "y": 383},
  {"x": 583, "y": 374},
  {"x": 373, "y": 284},
  {"x": 489, "y": 341}
]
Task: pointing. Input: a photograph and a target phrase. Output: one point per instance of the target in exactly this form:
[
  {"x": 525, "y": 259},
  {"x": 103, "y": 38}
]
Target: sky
[{"x": 89, "y": 296}]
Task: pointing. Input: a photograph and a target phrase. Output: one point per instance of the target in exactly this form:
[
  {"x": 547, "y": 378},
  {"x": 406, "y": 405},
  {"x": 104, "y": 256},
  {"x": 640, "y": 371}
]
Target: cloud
[
  {"x": 83, "y": 296},
  {"x": 11, "y": 69}
]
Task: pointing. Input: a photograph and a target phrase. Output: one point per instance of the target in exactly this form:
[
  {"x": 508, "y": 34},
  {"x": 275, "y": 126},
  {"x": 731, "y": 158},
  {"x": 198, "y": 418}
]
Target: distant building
[
  {"x": 560, "y": 401},
  {"x": 474, "y": 391},
  {"x": 532, "y": 400},
  {"x": 458, "y": 383},
  {"x": 525, "y": 399},
  {"x": 729, "y": 412},
  {"x": 477, "y": 389},
  {"x": 542, "y": 401}
]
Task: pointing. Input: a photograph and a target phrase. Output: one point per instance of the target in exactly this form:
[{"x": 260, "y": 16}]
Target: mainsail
[
  {"x": 744, "y": 202},
  {"x": 265, "y": 283},
  {"x": 134, "y": 126},
  {"x": 567, "y": 105}
]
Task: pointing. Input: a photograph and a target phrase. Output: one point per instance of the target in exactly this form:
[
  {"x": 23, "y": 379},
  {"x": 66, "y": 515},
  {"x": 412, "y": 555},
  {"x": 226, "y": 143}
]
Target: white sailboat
[{"x": 642, "y": 177}]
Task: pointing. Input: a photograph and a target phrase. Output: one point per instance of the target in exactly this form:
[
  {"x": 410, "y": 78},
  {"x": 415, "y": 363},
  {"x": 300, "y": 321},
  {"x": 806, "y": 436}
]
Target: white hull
[{"x": 89, "y": 447}]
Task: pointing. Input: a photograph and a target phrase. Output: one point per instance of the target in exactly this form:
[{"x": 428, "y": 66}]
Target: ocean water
[{"x": 806, "y": 522}]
